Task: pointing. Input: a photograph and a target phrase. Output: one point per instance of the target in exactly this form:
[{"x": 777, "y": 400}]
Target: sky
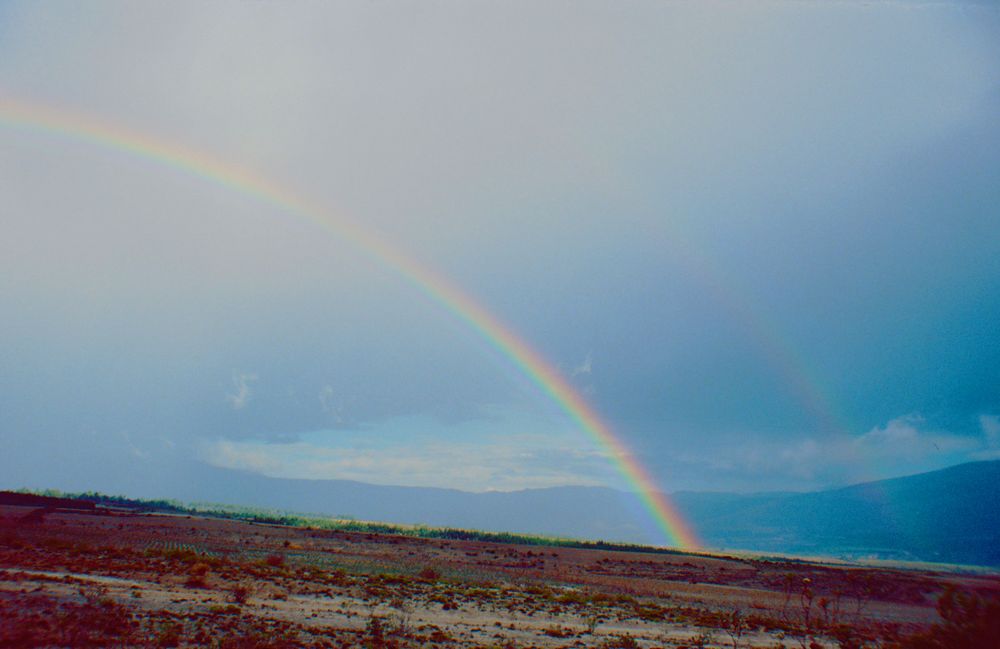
[{"x": 760, "y": 239}]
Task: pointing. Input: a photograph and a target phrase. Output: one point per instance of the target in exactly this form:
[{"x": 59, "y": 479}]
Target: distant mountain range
[{"x": 951, "y": 515}]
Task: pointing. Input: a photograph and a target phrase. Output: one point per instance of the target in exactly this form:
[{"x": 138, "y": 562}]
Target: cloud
[
  {"x": 990, "y": 427},
  {"x": 325, "y": 397},
  {"x": 516, "y": 462},
  {"x": 233, "y": 455},
  {"x": 331, "y": 404},
  {"x": 145, "y": 283},
  {"x": 134, "y": 450},
  {"x": 903, "y": 445},
  {"x": 586, "y": 367},
  {"x": 902, "y": 438},
  {"x": 241, "y": 383}
]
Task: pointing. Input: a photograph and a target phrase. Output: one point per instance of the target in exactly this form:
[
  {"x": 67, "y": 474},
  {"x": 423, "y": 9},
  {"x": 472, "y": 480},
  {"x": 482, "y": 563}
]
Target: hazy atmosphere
[{"x": 761, "y": 240}]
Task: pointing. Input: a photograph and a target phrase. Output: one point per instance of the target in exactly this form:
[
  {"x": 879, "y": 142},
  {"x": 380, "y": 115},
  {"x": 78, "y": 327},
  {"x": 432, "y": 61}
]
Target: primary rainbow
[{"x": 17, "y": 113}]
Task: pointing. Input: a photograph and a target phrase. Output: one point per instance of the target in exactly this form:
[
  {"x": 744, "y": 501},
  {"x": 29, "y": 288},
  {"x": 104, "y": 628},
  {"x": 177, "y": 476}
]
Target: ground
[{"x": 140, "y": 580}]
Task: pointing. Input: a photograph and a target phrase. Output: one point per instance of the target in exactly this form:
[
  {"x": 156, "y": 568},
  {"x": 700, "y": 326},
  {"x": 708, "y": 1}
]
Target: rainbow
[
  {"x": 22, "y": 115},
  {"x": 782, "y": 357}
]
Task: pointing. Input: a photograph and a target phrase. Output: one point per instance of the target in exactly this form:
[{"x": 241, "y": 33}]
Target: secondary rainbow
[{"x": 18, "y": 113}]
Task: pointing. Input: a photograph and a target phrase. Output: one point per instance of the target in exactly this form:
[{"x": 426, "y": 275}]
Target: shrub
[
  {"x": 196, "y": 576},
  {"x": 967, "y": 620},
  {"x": 169, "y": 635},
  {"x": 375, "y": 631},
  {"x": 556, "y": 631},
  {"x": 429, "y": 574},
  {"x": 240, "y": 593},
  {"x": 184, "y": 555},
  {"x": 620, "y": 642}
]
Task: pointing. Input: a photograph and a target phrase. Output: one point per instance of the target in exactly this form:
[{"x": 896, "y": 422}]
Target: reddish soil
[{"x": 75, "y": 578}]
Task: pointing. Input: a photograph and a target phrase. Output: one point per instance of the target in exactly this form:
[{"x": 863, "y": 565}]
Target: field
[{"x": 103, "y": 578}]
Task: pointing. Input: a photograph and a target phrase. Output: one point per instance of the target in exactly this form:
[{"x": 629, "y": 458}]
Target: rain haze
[{"x": 760, "y": 240}]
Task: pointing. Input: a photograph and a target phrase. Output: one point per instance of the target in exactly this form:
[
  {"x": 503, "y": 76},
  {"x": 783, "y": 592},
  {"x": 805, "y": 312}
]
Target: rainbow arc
[{"x": 436, "y": 287}]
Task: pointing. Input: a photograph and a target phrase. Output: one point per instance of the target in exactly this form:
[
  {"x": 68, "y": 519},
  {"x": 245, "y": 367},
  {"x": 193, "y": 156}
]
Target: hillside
[{"x": 952, "y": 515}]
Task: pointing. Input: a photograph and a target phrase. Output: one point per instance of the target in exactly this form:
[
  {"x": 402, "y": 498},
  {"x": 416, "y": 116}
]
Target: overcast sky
[{"x": 761, "y": 238}]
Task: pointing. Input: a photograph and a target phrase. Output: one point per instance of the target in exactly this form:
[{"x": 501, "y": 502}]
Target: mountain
[
  {"x": 951, "y": 515},
  {"x": 583, "y": 512}
]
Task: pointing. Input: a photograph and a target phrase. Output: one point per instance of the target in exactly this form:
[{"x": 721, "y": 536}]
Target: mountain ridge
[{"x": 951, "y": 515}]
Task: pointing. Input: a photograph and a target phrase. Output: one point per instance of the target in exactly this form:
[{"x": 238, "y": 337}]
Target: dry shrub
[
  {"x": 41, "y": 621},
  {"x": 967, "y": 620},
  {"x": 169, "y": 635},
  {"x": 429, "y": 573},
  {"x": 196, "y": 576},
  {"x": 240, "y": 593},
  {"x": 621, "y": 642},
  {"x": 557, "y": 631}
]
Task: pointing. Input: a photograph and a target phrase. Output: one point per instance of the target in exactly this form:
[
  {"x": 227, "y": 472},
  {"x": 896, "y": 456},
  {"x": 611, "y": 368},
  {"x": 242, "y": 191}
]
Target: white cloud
[
  {"x": 902, "y": 438},
  {"x": 241, "y": 384},
  {"x": 586, "y": 367},
  {"x": 521, "y": 462},
  {"x": 903, "y": 445},
  {"x": 331, "y": 404},
  {"x": 234, "y": 455},
  {"x": 133, "y": 448},
  {"x": 990, "y": 426}
]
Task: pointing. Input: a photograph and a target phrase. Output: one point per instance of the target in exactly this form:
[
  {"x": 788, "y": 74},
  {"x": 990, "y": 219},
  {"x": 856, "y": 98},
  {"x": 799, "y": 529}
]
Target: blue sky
[{"x": 761, "y": 238}]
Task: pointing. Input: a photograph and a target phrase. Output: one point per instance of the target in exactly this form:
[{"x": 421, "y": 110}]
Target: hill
[
  {"x": 948, "y": 516},
  {"x": 951, "y": 515}
]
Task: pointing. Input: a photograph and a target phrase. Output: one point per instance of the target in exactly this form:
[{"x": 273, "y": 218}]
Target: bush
[
  {"x": 620, "y": 642},
  {"x": 429, "y": 574},
  {"x": 557, "y": 631},
  {"x": 196, "y": 576},
  {"x": 169, "y": 635},
  {"x": 240, "y": 593},
  {"x": 967, "y": 620}
]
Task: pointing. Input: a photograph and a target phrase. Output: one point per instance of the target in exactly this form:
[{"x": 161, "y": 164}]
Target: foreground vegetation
[{"x": 123, "y": 578}]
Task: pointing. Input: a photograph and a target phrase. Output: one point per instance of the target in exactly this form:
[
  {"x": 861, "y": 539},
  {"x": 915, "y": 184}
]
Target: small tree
[{"x": 736, "y": 626}]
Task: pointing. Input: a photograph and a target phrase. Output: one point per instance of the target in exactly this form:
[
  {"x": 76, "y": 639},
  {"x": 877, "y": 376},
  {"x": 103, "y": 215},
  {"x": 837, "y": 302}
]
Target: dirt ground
[{"x": 100, "y": 579}]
